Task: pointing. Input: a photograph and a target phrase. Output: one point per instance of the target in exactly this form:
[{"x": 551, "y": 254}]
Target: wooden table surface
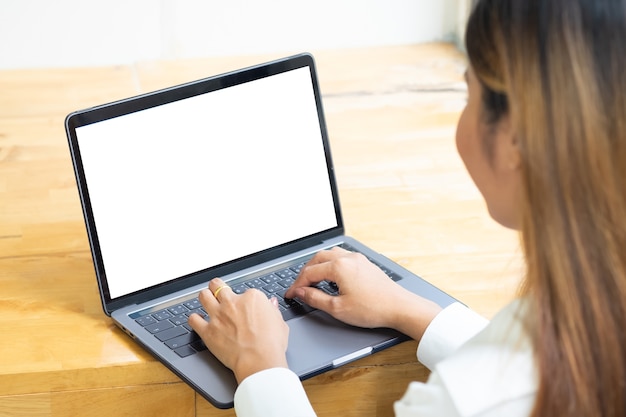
[{"x": 391, "y": 114}]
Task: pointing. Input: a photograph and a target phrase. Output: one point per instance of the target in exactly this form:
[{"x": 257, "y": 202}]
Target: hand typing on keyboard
[
  {"x": 367, "y": 297},
  {"x": 246, "y": 332}
]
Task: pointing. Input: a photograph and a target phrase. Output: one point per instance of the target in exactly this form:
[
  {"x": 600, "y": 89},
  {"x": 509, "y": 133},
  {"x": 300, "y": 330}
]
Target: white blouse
[{"x": 479, "y": 369}]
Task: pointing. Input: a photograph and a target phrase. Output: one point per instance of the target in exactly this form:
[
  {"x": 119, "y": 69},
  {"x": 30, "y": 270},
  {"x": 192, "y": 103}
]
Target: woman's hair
[{"x": 557, "y": 70}]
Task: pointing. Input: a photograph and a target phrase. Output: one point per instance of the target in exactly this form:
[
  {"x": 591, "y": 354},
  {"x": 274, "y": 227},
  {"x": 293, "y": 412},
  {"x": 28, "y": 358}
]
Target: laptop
[{"x": 229, "y": 176}]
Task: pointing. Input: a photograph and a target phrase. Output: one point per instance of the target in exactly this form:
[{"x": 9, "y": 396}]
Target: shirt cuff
[
  {"x": 257, "y": 396},
  {"x": 450, "y": 329}
]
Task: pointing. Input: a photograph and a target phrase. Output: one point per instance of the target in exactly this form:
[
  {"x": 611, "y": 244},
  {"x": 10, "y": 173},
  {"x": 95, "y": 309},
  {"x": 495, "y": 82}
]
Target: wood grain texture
[{"x": 391, "y": 115}]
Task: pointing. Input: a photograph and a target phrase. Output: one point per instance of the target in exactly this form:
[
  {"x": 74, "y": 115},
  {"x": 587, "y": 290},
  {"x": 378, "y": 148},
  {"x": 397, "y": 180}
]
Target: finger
[
  {"x": 321, "y": 257},
  {"x": 316, "y": 298},
  {"x": 311, "y": 275},
  {"x": 220, "y": 289},
  {"x": 215, "y": 283},
  {"x": 197, "y": 323},
  {"x": 208, "y": 301}
]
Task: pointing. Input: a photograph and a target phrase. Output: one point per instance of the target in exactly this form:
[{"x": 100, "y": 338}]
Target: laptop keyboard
[{"x": 169, "y": 325}]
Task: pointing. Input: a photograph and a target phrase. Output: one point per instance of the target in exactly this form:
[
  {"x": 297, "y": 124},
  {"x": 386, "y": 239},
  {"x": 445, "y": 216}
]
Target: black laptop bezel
[{"x": 172, "y": 94}]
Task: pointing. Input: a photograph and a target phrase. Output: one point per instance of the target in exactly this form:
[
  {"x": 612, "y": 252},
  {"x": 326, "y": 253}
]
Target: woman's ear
[{"x": 509, "y": 145}]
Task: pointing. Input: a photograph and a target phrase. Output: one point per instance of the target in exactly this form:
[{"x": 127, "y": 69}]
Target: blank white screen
[{"x": 198, "y": 182}]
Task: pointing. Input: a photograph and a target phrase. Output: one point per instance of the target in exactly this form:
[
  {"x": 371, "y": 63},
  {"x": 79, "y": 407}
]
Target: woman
[{"x": 543, "y": 136}]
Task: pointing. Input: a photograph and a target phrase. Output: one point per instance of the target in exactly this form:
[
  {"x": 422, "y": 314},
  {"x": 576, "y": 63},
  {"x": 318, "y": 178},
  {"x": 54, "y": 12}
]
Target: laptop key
[
  {"x": 255, "y": 283},
  {"x": 239, "y": 289},
  {"x": 184, "y": 351},
  {"x": 177, "y": 310},
  {"x": 296, "y": 311},
  {"x": 286, "y": 283},
  {"x": 286, "y": 273},
  {"x": 193, "y": 304},
  {"x": 182, "y": 340},
  {"x": 198, "y": 345},
  {"x": 298, "y": 268},
  {"x": 292, "y": 302},
  {"x": 162, "y": 315},
  {"x": 270, "y": 279},
  {"x": 159, "y": 326},
  {"x": 395, "y": 276},
  {"x": 179, "y": 320},
  {"x": 170, "y": 333},
  {"x": 145, "y": 320},
  {"x": 272, "y": 288}
]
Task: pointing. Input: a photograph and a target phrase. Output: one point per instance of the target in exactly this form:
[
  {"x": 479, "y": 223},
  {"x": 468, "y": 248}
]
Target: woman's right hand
[{"x": 367, "y": 296}]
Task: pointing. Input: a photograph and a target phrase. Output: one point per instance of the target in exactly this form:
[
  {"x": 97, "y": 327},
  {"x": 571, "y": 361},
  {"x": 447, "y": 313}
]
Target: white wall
[{"x": 58, "y": 33}]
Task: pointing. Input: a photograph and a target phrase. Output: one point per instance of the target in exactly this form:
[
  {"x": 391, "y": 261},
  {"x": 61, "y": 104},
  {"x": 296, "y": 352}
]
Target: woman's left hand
[{"x": 245, "y": 332}]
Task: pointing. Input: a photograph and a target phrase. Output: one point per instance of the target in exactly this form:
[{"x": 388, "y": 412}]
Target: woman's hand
[
  {"x": 367, "y": 296},
  {"x": 245, "y": 332}
]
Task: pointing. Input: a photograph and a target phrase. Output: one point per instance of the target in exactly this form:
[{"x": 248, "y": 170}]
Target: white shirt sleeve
[
  {"x": 449, "y": 330},
  {"x": 256, "y": 395},
  {"x": 491, "y": 374}
]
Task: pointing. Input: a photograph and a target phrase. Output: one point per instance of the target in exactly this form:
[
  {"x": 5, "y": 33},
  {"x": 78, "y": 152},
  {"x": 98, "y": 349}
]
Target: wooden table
[{"x": 391, "y": 114}]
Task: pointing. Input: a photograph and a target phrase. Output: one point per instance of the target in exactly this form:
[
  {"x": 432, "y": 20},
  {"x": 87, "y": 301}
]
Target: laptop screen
[{"x": 194, "y": 183}]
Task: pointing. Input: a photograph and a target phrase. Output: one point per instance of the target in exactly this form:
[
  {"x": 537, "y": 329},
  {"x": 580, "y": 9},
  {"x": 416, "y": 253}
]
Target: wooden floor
[{"x": 391, "y": 115}]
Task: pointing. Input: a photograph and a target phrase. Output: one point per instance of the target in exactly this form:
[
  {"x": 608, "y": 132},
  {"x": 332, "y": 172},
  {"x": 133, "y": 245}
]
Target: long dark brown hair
[{"x": 557, "y": 68}]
